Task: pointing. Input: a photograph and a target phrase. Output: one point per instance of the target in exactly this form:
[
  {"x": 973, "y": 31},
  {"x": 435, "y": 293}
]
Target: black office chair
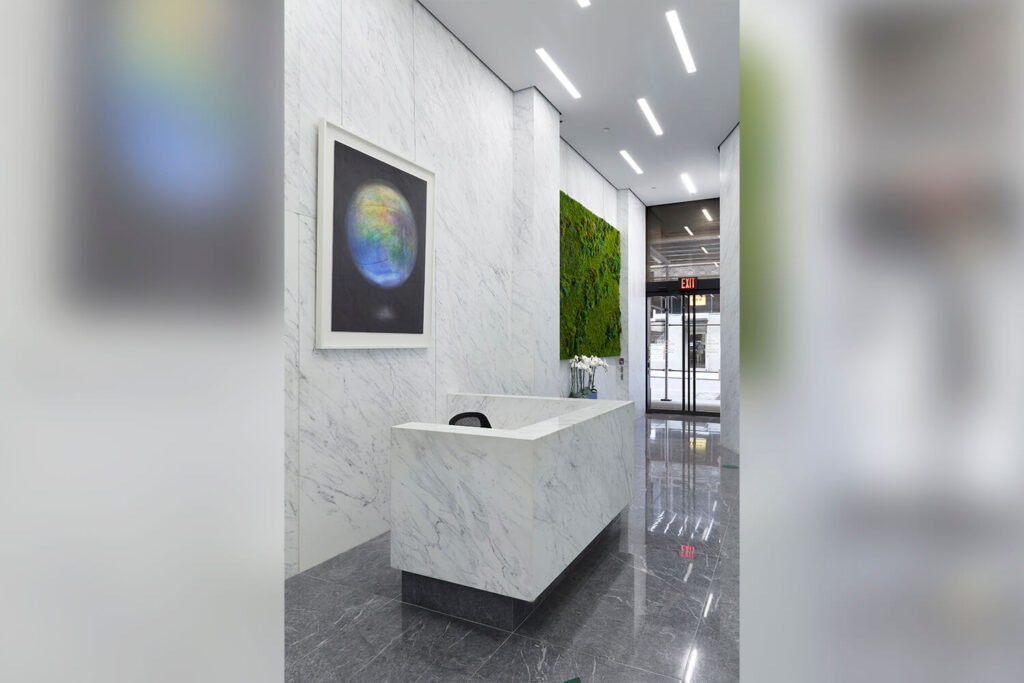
[{"x": 471, "y": 420}]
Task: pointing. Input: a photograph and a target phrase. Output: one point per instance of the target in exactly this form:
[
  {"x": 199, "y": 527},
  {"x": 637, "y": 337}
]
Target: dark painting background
[{"x": 355, "y": 302}]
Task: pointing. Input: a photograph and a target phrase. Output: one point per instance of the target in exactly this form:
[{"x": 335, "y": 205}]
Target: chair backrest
[{"x": 471, "y": 420}]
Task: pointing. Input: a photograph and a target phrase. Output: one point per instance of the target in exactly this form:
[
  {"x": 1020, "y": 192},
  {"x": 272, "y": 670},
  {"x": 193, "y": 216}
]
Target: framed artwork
[{"x": 375, "y": 246}]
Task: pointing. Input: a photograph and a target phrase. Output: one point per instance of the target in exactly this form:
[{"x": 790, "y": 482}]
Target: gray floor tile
[
  {"x": 730, "y": 554},
  {"x": 721, "y": 614},
  {"x": 397, "y": 642},
  {"x": 316, "y": 610},
  {"x": 524, "y": 659},
  {"x": 339, "y": 654},
  {"x": 729, "y": 558},
  {"x": 645, "y": 625},
  {"x": 428, "y": 643},
  {"x": 668, "y": 565},
  {"x": 717, "y": 660},
  {"x": 367, "y": 566},
  {"x": 718, "y": 636},
  {"x": 438, "y": 675}
]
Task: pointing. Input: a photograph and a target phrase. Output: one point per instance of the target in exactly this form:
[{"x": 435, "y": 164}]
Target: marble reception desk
[{"x": 484, "y": 521}]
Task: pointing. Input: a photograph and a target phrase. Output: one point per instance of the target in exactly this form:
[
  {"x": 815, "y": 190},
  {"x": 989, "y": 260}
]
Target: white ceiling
[{"x": 614, "y": 52}]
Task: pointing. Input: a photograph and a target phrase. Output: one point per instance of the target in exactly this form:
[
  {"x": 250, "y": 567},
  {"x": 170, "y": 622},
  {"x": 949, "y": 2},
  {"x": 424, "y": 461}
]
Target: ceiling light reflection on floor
[{"x": 691, "y": 663}]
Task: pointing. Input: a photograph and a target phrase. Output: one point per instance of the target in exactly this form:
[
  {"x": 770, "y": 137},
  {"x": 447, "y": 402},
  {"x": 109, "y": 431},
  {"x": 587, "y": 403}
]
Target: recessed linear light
[
  {"x": 646, "y": 109},
  {"x": 707, "y": 215},
  {"x": 688, "y": 182},
  {"x": 704, "y": 249},
  {"x": 716, "y": 265},
  {"x": 677, "y": 33},
  {"x": 688, "y": 231},
  {"x": 584, "y": 3},
  {"x": 559, "y": 74},
  {"x": 629, "y": 160}
]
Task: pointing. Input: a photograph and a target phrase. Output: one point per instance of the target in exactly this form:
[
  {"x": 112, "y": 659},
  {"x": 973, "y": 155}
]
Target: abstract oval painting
[{"x": 381, "y": 234}]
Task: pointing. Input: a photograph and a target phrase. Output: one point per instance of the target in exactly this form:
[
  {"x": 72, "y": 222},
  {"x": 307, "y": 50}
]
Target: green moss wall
[{"x": 590, "y": 265}]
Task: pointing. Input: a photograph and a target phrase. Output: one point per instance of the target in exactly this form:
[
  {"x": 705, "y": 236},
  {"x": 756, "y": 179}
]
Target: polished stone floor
[{"x": 635, "y": 609}]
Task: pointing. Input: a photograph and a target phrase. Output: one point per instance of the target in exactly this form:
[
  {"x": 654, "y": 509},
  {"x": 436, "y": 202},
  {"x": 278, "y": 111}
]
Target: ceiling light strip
[
  {"x": 688, "y": 182},
  {"x": 684, "y": 48},
  {"x": 629, "y": 160},
  {"x": 559, "y": 74},
  {"x": 646, "y": 109}
]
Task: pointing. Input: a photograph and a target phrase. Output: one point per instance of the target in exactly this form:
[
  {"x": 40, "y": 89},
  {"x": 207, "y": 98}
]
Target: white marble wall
[
  {"x": 633, "y": 215},
  {"x": 583, "y": 183},
  {"x": 536, "y": 255},
  {"x": 388, "y": 71},
  {"x": 291, "y": 391},
  {"x": 464, "y": 133},
  {"x": 730, "y": 283}
]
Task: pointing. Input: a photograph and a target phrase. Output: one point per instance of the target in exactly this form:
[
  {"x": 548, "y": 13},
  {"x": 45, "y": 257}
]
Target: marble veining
[
  {"x": 347, "y": 404},
  {"x": 730, "y": 286},
  {"x": 313, "y": 80},
  {"x": 506, "y": 510},
  {"x": 535, "y": 247},
  {"x": 633, "y": 215},
  {"x": 378, "y": 58},
  {"x": 291, "y": 393}
]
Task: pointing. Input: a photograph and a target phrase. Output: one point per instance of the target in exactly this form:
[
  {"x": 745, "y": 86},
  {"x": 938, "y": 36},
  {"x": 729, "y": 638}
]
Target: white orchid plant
[{"x": 581, "y": 374}]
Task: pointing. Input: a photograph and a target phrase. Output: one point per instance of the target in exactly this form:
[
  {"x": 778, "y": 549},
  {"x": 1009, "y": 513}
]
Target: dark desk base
[{"x": 473, "y": 604}]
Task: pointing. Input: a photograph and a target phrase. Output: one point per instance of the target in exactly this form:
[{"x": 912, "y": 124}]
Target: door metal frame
[{"x": 669, "y": 289}]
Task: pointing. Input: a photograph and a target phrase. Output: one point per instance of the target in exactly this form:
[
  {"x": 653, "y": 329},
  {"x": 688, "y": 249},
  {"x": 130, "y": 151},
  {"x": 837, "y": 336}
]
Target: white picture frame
[{"x": 329, "y": 279}]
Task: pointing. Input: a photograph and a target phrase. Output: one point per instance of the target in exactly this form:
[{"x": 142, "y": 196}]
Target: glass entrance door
[{"x": 683, "y": 354}]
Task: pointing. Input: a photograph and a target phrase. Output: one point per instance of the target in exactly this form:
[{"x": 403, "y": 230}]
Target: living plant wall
[{"x": 590, "y": 265}]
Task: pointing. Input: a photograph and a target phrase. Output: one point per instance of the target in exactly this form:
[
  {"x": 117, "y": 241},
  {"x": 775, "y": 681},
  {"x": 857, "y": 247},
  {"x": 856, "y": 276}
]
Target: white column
[
  {"x": 729, "y": 155},
  {"x": 534, "y": 260}
]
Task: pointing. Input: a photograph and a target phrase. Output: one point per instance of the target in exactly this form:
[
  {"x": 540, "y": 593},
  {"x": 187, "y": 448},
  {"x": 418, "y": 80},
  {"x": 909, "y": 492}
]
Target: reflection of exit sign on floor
[{"x": 686, "y": 551}]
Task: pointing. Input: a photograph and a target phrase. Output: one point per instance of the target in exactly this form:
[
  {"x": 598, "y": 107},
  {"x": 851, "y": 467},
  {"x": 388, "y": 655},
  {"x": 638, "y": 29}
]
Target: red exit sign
[
  {"x": 686, "y": 551},
  {"x": 687, "y": 283}
]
